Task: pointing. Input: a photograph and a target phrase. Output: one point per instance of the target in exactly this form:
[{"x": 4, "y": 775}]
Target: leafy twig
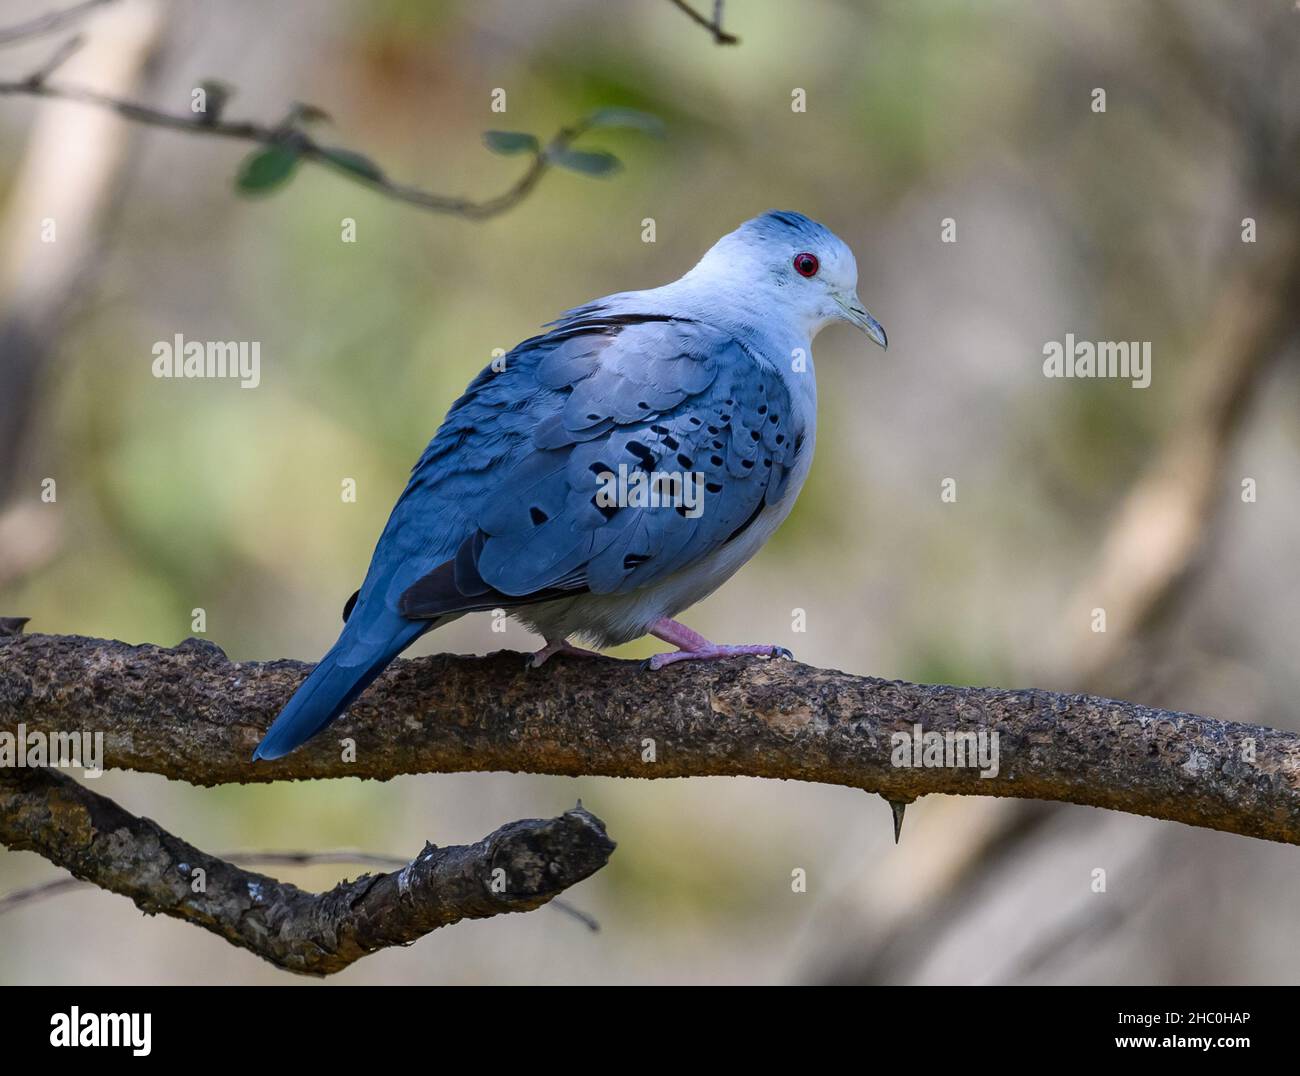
[{"x": 288, "y": 143}]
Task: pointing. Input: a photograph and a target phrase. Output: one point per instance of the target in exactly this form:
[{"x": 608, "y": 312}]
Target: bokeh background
[{"x": 1122, "y": 225}]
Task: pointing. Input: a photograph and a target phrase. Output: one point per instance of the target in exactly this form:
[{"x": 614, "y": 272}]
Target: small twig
[
  {"x": 714, "y": 25},
  {"x": 48, "y": 23},
  {"x": 60, "y": 56}
]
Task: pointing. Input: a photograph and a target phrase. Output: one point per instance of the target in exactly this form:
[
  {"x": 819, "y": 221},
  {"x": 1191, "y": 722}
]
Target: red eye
[{"x": 806, "y": 264}]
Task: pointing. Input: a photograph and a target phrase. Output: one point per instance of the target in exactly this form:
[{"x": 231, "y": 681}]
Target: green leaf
[
  {"x": 266, "y": 169},
  {"x": 511, "y": 142},
  {"x": 628, "y": 117},
  {"x": 588, "y": 162},
  {"x": 355, "y": 163}
]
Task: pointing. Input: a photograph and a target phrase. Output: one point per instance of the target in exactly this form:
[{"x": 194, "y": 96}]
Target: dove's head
[{"x": 784, "y": 262}]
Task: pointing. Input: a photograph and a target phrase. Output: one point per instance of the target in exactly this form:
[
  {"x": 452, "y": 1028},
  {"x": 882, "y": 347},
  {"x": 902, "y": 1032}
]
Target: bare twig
[
  {"x": 57, "y": 59},
  {"x": 520, "y": 867},
  {"x": 192, "y": 714},
  {"x": 49, "y": 22},
  {"x": 714, "y": 25}
]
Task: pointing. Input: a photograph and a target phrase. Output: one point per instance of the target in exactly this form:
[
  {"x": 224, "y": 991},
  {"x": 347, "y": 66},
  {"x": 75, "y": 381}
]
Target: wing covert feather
[{"x": 522, "y": 455}]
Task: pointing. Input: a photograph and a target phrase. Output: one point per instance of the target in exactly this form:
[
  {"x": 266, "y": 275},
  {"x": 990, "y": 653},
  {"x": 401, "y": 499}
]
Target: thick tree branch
[
  {"x": 516, "y": 869},
  {"x": 20, "y": 898},
  {"x": 192, "y": 714}
]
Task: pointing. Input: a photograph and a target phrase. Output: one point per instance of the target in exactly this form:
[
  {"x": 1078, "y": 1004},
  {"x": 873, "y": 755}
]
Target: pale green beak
[{"x": 856, "y": 314}]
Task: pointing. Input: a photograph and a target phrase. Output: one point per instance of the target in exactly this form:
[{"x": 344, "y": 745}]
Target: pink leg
[
  {"x": 695, "y": 647},
  {"x": 558, "y": 646}
]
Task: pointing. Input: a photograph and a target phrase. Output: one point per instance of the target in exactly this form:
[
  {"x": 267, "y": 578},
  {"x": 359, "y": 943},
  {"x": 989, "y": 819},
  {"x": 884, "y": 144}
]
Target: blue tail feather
[{"x": 344, "y": 673}]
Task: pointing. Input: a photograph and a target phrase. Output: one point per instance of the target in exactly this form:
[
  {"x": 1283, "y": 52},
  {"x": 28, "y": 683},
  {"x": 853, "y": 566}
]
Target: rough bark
[
  {"x": 192, "y": 714},
  {"x": 516, "y": 869}
]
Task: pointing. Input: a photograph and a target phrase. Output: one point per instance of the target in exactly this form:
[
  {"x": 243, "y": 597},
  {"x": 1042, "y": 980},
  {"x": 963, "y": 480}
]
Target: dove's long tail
[{"x": 371, "y": 638}]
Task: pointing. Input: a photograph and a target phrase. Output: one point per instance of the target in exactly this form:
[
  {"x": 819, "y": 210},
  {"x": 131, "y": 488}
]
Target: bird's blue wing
[
  {"x": 501, "y": 510},
  {"x": 527, "y": 451}
]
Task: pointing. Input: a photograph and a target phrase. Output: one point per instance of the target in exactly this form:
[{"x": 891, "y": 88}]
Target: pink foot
[
  {"x": 695, "y": 647},
  {"x": 558, "y": 646}
]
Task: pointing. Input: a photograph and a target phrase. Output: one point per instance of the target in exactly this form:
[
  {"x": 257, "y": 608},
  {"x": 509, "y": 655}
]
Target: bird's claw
[
  {"x": 559, "y": 646},
  {"x": 659, "y": 661}
]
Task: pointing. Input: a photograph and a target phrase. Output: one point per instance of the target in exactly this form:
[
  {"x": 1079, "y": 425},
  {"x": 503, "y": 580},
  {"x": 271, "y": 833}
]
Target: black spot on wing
[
  {"x": 645, "y": 457},
  {"x": 609, "y": 511}
]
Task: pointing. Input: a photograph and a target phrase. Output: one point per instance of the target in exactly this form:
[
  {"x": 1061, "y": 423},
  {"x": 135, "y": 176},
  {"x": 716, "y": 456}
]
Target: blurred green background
[{"x": 1124, "y": 225}]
